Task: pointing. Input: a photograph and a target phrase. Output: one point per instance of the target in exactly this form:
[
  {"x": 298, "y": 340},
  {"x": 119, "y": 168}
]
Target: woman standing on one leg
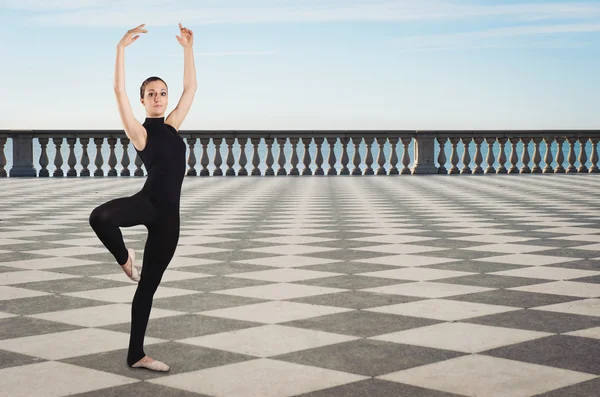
[{"x": 157, "y": 205}]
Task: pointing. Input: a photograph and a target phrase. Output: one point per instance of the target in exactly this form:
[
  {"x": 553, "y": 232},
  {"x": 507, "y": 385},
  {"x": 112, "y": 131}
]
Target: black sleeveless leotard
[{"x": 164, "y": 158}]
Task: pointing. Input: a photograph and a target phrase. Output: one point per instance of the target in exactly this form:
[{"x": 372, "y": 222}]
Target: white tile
[
  {"x": 279, "y": 291},
  {"x": 570, "y": 230},
  {"x": 593, "y": 333},
  {"x": 547, "y": 272},
  {"x": 250, "y": 379},
  {"x": 169, "y": 275},
  {"x": 462, "y": 337},
  {"x": 426, "y": 289},
  {"x": 584, "y": 307},
  {"x": 182, "y": 262},
  {"x": 590, "y": 247},
  {"x": 197, "y": 249},
  {"x": 391, "y": 230},
  {"x": 99, "y": 316},
  {"x": 61, "y": 345},
  {"x": 268, "y": 340},
  {"x": 8, "y": 293},
  {"x": 12, "y": 241},
  {"x": 294, "y": 231},
  {"x": 441, "y": 309},
  {"x": 284, "y": 275},
  {"x": 407, "y": 260},
  {"x": 568, "y": 288},
  {"x": 48, "y": 263},
  {"x": 492, "y": 239},
  {"x": 592, "y": 238},
  {"x": 198, "y": 240},
  {"x": 476, "y": 375},
  {"x": 6, "y": 315},
  {"x": 69, "y": 251},
  {"x": 394, "y": 239},
  {"x": 509, "y": 248},
  {"x": 274, "y": 312},
  {"x": 291, "y": 249},
  {"x": 483, "y": 230},
  {"x": 399, "y": 248},
  {"x": 55, "y": 379},
  {"x": 528, "y": 259},
  {"x": 125, "y": 294},
  {"x": 23, "y": 233},
  {"x": 28, "y": 276},
  {"x": 293, "y": 240},
  {"x": 287, "y": 261},
  {"x": 416, "y": 274}
]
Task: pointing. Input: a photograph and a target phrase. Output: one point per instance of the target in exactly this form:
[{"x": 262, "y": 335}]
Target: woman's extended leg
[
  {"x": 122, "y": 212},
  {"x": 163, "y": 236}
]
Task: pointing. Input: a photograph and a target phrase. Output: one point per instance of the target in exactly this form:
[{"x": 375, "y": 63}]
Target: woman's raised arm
[
  {"x": 178, "y": 114},
  {"x": 134, "y": 130}
]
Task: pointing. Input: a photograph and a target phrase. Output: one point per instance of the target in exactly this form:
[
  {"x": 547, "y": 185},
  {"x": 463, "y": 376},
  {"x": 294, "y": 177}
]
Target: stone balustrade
[{"x": 434, "y": 152}]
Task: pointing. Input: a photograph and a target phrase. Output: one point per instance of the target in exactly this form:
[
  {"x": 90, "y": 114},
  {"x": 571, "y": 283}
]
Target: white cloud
[
  {"x": 167, "y": 12},
  {"x": 488, "y": 38}
]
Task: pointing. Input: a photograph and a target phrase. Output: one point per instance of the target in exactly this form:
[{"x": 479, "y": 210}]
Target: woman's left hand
[{"x": 187, "y": 37}]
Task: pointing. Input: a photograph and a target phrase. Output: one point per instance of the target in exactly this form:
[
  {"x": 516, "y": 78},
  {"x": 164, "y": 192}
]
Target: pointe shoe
[
  {"x": 153, "y": 365},
  {"x": 135, "y": 276}
]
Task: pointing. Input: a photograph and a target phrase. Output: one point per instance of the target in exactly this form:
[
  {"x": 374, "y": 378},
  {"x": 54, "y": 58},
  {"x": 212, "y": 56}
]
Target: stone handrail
[{"x": 424, "y": 158}]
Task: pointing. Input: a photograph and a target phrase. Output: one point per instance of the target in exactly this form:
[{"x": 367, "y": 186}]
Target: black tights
[{"x": 162, "y": 221}]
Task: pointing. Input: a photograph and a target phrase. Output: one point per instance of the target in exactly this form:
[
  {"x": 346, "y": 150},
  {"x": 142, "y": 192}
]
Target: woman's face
[{"x": 156, "y": 98}]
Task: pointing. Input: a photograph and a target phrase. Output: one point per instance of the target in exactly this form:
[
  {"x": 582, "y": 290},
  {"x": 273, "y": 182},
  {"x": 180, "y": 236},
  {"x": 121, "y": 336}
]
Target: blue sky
[{"x": 309, "y": 64}]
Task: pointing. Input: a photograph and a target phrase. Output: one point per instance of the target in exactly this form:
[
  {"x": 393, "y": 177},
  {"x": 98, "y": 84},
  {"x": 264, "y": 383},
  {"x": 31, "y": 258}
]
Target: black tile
[
  {"x": 10, "y": 359},
  {"x": 377, "y": 388},
  {"x": 140, "y": 389},
  {"x": 368, "y": 357},
  {"x": 19, "y": 327},
  {"x": 520, "y": 299},
  {"x": 491, "y": 281},
  {"x": 583, "y": 389},
  {"x": 560, "y": 351},
  {"x": 355, "y": 299},
  {"x": 47, "y": 303},
  {"x": 353, "y": 282},
  {"x": 215, "y": 283},
  {"x": 538, "y": 320},
  {"x": 361, "y": 323},
  {"x": 74, "y": 284},
  {"x": 474, "y": 266},
  {"x": 224, "y": 268}
]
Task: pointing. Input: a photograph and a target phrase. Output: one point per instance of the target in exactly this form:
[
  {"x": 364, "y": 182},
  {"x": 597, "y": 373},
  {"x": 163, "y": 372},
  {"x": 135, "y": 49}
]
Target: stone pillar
[
  {"x": 424, "y": 154},
  {"x": 22, "y": 154}
]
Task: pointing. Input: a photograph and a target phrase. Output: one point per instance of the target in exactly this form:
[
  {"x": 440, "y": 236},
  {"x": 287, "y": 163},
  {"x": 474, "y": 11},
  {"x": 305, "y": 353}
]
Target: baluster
[
  {"x": 466, "y": 158},
  {"x": 191, "y": 142},
  {"x": 306, "y": 156},
  {"x": 594, "y": 156},
  {"x": 138, "y": 165},
  {"x": 571, "y": 156},
  {"x": 442, "y": 155},
  {"x": 537, "y": 158},
  {"x": 319, "y": 156},
  {"x": 294, "y": 158},
  {"x": 71, "y": 160},
  {"x": 513, "y": 155},
  {"x": 454, "y": 156},
  {"x": 331, "y": 160},
  {"x": 99, "y": 161},
  {"x": 381, "y": 157},
  {"x": 405, "y": 156},
  {"x": 44, "y": 157},
  {"x": 269, "y": 159},
  {"x": 242, "y": 160},
  {"x": 478, "y": 157},
  {"x": 525, "y": 158},
  {"x": 490, "y": 158},
  {"x": 393, "y": 156},
  {"x": 356, "y": 156},
  {"x": 255, "y": 156},
  {"x": 125, "y": 161},
  {"x": 281, "y": 160},
  {"x": 344, "y": 159},
  {"x": 85, "y": 158},
  {"x": 560, "y": 158},
  {"x": 369, "y": 156},
  {"x": 502, "y": 156},
  {"x": 582, "y": 155},
  {"x": 230, "y": 159},
  {"x": 58, "y": 160},
  {"x": 3, "y": 173},
  {"x": 548, "y": 156},
  {"x": 218, "y": 160},
  {"x": 204, "y": 160},
  {"x": 112, "y": 158}
]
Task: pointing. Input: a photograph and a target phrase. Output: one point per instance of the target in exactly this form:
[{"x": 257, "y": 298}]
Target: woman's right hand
[{"x": 129, "y": 36}]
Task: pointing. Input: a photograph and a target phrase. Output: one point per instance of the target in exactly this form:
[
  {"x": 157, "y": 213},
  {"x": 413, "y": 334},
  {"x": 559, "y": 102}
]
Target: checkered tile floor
[{"x": 313, "y": 287}]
